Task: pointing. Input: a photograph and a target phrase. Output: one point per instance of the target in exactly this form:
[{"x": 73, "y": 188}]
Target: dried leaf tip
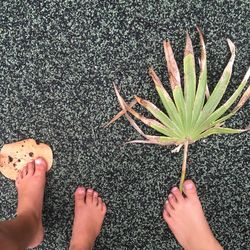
[
  {"x": 155, "y": 78},
  {"x": 243, "y": 99},
  {"x": 247, "y": 75},
  {"x": 202, "y": 43},
  {"x": 198, "y": 29},
  {"x": 189, "y": 46},
  {"x": 173, "y": 71},
  {"x": 231, "y": 46},
  {"x": 232, "y": 58},
  {"x": 120, "y": 99},
  {"x": 139, "y": 99}
]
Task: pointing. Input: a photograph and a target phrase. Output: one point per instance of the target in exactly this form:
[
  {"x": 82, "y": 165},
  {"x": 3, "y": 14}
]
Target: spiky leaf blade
[
  {"x": 158, "y": 114},
  {"x": 175, "y": 81},
  {"x": 151, "y": 122},
  {"x": 219, "y": 89},
  {"x": 245, "y": 97},
  {"x": 189, "y": 81},
  {"x": 202, "y": 82},
  {"x": 213, "y": 131},
  {"x": 220, "y": 111},
  {"x": 166, "y": 100}
]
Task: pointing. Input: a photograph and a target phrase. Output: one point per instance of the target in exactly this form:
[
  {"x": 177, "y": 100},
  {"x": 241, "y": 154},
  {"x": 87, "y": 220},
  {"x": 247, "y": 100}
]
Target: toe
[
  {"x": 24, "y": 171},
  {"x": 95, "y": 198},
  {"x": 99, "y": 202},
  {"x": 104, "y": 208},
  {"x": 89, "y": 196},
  {"x": 20, "y": 175},
  {"x": 18, "y": 179},
  {"x": 166, "y": 215},
  {"x": 40, "y": 166},
  {"x": 80, "y": 194},
  {"x": 177, "y": 194},
  {"x": 169, "y": 208},
  {"x": 172, "y": 200},
  {"x": 190, "y": 189},
  {"x": 30, "y": 168}
]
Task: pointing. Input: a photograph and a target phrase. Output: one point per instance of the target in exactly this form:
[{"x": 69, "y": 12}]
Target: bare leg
[
  {"x": 26, "y": 230},
  {"x": 89, "y": 215},
  {"x": 186, "y": 220}
]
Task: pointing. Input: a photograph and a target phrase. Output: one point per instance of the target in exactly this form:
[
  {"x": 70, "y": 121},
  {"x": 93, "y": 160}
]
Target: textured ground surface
[{"x": 58, "y": 61}]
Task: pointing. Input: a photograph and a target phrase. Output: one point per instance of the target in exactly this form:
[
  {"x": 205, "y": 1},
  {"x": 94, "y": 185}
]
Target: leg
[
  {"x": 186, "y": 220},
  {"x": 89, "y": 215},
  {"x": 26, "y": 229}
]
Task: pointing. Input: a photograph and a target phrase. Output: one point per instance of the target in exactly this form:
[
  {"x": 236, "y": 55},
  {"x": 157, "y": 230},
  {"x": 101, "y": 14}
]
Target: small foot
[{"x": 89, "y": 215}]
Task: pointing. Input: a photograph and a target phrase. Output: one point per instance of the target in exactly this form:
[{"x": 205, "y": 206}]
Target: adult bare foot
[
  {"x": 186, "y": 219},
  {"x": 30, "y": 185},
  {"x": 89, "y": 215}
]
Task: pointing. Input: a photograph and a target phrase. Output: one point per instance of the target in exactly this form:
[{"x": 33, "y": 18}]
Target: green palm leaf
[{"x": 188, "y": 116}]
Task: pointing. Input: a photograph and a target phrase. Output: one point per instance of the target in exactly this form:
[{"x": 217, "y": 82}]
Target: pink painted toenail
[
  {"x": 174, "y": 189},
  {"x": 170, "y": 196},
  {"x": 189, "y": 185}
]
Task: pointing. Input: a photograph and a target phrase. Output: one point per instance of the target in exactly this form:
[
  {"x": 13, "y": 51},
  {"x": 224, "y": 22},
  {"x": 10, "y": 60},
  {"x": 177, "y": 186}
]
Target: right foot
[
  {"x": 186, "y": 220},
  {"x": 89, "y": 215}
]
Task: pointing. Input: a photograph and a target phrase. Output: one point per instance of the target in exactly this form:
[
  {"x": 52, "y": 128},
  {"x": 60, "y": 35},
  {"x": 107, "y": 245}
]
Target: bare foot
[
  {"x": 30, "y": 185},
  {"x": 89, "y": 215},
  {"x": 186, "y": 219}
]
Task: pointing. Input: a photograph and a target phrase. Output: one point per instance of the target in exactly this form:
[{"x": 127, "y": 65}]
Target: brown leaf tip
[
  {"x": 231, "y": 46},
  {"x": 189, "y": 46},
  {"x": 138, "y": 99}
]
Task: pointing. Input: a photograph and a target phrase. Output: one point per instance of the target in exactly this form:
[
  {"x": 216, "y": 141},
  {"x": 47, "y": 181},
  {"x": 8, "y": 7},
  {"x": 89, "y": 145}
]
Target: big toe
[
  {"x": 80, "y": 194},
  {"x": 40, "y": 166},
  {"x": 190, "y": 189}
]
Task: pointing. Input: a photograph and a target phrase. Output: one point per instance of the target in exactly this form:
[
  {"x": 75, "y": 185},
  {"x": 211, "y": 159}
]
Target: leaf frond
[
  {"x": 219, "y": 89},
  {"x": 189, "y": 81}
]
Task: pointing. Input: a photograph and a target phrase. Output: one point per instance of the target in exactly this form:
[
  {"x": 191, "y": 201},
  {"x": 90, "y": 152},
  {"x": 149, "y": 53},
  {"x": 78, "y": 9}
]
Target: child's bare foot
[
  {"x": 89, "y": 215},
  {"x": 186, "y": 219},
  {"x": 30, "y": 185}
]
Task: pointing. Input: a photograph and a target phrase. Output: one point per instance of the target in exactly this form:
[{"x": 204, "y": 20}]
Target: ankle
[{"x": 30, "y": 217}]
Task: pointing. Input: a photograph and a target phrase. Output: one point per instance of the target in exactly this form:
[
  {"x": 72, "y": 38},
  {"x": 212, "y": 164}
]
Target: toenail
[
  {"x": 39, "y": 161},
  {"x": 90, "y": 190},
  {"x": 80, "y": 190},
  {"x": 170, "y": 196},
  {"x": 188, "y": 185},
  {"x": 174, "y": 189}
]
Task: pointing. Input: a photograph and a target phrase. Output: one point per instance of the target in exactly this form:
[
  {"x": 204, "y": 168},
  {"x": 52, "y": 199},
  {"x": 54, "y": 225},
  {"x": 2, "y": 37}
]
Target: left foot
[{"x": 30, "y": 185}]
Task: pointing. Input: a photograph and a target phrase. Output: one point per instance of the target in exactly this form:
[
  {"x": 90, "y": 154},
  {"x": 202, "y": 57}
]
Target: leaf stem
[{"x": 184, "y": 166}]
